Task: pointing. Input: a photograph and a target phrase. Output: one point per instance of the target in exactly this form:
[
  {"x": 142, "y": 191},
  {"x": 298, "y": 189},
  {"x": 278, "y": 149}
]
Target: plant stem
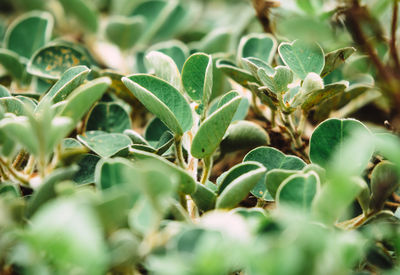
[
  {"x": 18, "y": 160},
  {"x": 178, "y": 152},
  {"x": 29, "y": 166},
  {"x": 393, "y": 49},
  {"x": 207, "y": 164},
  {"x": 13, "y": 172}
]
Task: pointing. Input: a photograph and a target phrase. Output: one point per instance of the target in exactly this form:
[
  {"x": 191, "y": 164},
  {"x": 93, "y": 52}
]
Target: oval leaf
[
  {"x": 298, "y": 190},
  {"x": 52, "y": 61},
  {"x": 29, "y": 32},
  {"x": 237, "y": 190},
  {"x": 197, "y": 77},
  {"x": 330, "y": 136},
  {"x": 213, "y": 129},
  {"x": 302, "y": 58},
  {"x": 163, "y": 100},
  {"x": 108, "y": 117}
]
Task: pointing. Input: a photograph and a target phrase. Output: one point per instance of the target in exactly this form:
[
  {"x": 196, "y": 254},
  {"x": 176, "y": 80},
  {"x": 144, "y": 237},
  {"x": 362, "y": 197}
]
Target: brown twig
[
  {"x": 393, "y": 49},
  {"x": 262, "y": 8}
]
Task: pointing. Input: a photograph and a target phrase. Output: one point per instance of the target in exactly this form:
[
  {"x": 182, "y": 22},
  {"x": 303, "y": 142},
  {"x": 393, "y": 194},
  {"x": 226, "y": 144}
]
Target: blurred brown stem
[{"x": 393, "y": 49}]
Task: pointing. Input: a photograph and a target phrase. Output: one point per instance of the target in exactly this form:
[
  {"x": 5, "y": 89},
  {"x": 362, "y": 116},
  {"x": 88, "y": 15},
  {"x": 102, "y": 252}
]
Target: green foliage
[{"x": 123, "y": 125}]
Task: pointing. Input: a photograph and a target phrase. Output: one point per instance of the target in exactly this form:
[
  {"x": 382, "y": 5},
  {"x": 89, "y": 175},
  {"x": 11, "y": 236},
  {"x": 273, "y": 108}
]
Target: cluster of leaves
[{"x": 133, "y": 152}]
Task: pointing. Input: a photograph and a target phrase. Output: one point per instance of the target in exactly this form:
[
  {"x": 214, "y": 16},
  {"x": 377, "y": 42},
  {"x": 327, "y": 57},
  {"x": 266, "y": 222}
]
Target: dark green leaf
[
  {"x": 108, "y": 117},
  {"x": 28, "y": 33},
  {"x": 335, "y": 59},
  {"x": 238, "y": 189},
  {"x": 124, "y": 31}
]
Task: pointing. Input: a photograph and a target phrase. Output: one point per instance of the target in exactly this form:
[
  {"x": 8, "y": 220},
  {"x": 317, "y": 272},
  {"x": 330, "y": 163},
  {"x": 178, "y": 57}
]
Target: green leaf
[
  {"x": 213, "y": 129},
  {"x": 154, "y": 131},
  {"x": 302, "y": 58},
  {"x": 13, "y": 105},
  {"x": 236, "y": 171},
  {"x": 47, "y": 191},
  {"x": 84, "y": 11},
  {"x": 104, "y": 144},
  {"x": 110, "y": 173},
  {"x": 261, "y": 46},
  {"x": 240, "y": 76},
  {"x": 155, "y": 13},
  {"x": 70, "y": 79},
  {"x": 197, "y": 77},
  {"x": 12, "y": 63},
  {"x": 238, "y": 189},
  {"x": 217, "y": 41},
  {"x": 316, "y": 97},
  {"x": 81, "y": 99},
  {"x": 135, "y": 137},
  {"x": 164, "y": 67},
  {"x": 19, "y": 129},
  {"x": 243, "y": 134},
  {"x": 163, "y": 100},
  {"x": 4, "y": 92},
  {"x": 271, "y": 158},
  {"x": 384, "y": 181},
  {"x": 275, "y": 177},
  {"x": 108, "y": 117},
  {"x": 87, "y": 167},
  {"x": 336, "y": 58},
  {"x": 52, "y": 61},
  {"x": 204, "y": 198},
  {"x": 330, "y": 136},
  {"x": 253, "y": 64},
  {"x": 124, "y": 31},
  {"x": 279, "y": 81},
  {"x": 298, "y": 190},
  {"x": 186, "y": 184},
  {"x": 63, "y": 243},
  {"x": 175, "y": 49},
  {"x": 28, "y": 33}
]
